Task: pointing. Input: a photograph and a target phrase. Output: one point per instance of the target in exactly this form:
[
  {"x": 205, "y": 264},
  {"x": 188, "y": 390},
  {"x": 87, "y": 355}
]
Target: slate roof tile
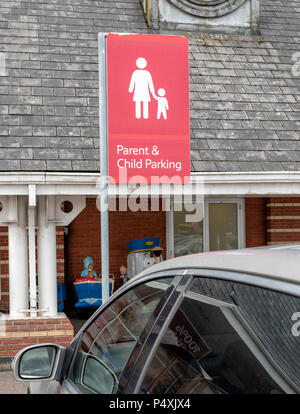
[{"x": 244, "y": 89}]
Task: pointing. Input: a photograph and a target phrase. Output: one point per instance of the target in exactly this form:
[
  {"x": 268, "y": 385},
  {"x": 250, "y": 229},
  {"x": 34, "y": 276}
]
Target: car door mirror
[
  {"x": 98, "y": 377},
  {"x": 37, "y": 363}
]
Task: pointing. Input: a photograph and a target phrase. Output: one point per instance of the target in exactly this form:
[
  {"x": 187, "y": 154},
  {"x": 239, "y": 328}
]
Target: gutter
[{"x": 286, "y": 183}]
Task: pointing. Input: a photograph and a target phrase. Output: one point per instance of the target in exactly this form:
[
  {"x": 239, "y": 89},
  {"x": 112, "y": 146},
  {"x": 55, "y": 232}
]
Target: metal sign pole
[{"x": 103, "y": 167}]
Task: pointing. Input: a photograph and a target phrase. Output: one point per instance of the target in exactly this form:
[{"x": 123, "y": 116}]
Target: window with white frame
[{"x": 219, "y": 227}]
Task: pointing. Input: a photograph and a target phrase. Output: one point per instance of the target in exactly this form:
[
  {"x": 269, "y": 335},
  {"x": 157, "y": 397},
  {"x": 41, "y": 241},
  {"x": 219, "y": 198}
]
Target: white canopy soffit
[{"x": 285, "y": 183}]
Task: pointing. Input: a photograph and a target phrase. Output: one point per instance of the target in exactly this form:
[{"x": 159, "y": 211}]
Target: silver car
[{"x": 213, "y": 323}]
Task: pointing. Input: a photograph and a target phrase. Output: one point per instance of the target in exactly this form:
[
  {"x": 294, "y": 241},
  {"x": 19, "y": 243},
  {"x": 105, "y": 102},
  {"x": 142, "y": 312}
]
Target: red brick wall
[
  {"x": 283, "y": 220},
  {"x": 124, "y": 226},
  {"x": 270, "y": 221},
  {"x": 16, "y": 334},
  {"x": 4, "y": 301},
  {"x": 84, "y": 240},
  {"x": 256, "y": 226}
]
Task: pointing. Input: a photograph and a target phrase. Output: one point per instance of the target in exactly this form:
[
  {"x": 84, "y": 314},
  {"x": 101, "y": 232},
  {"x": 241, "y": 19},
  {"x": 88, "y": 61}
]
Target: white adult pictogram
[
  {"x": 141, "y": 84},
  {"x": 162, "y": 105}
]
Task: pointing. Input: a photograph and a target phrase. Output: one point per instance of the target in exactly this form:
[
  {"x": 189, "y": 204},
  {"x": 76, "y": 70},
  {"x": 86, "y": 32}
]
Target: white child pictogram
[{"x": 162, "y": 104}]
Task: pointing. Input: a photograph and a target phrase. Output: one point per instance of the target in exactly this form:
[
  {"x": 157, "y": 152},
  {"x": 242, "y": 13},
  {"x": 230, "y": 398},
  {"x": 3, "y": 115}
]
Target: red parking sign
[{"x": 148, "y": 108}]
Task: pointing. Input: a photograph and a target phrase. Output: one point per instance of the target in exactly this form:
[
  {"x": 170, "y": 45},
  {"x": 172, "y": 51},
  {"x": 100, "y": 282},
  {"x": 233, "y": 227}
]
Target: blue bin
[
  {"x": 89, "y": 294},
  {"x": 61, "y": 296}
]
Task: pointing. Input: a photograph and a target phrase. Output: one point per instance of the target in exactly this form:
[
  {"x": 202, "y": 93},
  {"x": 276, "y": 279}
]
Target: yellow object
[
  {"x": 149, "y": 243},
  {"x": 148, "y": 11}
]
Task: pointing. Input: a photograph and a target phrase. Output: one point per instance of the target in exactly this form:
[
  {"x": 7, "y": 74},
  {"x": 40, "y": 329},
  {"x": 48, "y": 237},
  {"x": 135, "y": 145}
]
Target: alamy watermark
[
  {"x": 296, "y": 325},
  {"x": 296, "y": 65},
  {"x": 3, "y": 64},
  {"x": 162, "y": 193},
  {"x": 2, "y": 324}
]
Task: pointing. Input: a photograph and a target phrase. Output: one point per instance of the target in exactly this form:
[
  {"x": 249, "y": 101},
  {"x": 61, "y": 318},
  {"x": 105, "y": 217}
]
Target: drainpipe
[
  {"x": 47, "y": 277},
  {"x": 31, "y": 244}
]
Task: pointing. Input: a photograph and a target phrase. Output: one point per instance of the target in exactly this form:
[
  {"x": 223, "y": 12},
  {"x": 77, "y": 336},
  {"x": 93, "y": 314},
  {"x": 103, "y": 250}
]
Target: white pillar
[
  {"x": 47, "y": 278},
  {"x": 18, "y": 257}
]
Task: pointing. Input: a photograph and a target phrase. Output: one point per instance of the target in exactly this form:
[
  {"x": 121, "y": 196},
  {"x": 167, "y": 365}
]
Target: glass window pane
[
  {"x": 204, "y": 352},
  {"x": 97, "y": 377},
  {"x": 112, "y": 337},
  {"x": 223, "y": 228},
  {"x": 188, "y": 236}
]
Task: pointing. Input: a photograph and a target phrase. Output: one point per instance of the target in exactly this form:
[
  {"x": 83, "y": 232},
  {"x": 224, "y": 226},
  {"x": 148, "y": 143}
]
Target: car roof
[{"x": 274, "y": 262}]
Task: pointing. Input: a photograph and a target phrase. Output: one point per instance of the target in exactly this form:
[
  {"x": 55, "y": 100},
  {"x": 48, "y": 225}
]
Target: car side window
[
  {"x": 201, "y": 353},
  {"x": 269, "y": 317},
  {"x": 216, "y": 342},
  {"x": 109, "y": 341}
]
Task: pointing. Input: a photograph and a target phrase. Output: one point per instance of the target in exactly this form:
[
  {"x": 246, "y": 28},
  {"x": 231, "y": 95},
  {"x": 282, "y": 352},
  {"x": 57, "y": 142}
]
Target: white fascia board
[
  {"x": 215, "y": 184},
  {"x": 285, "y": 183}
]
